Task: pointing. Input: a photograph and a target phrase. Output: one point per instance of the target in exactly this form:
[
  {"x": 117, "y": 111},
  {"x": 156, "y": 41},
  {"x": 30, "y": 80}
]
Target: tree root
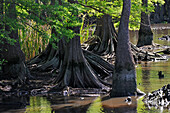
[
  {"x": 106, "y": 42},
  {"x": 90, "y": 73},
  {"x": 144, "y": 55}
]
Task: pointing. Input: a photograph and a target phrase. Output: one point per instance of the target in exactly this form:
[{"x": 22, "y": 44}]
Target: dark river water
[{"x": 147, "y": 81}]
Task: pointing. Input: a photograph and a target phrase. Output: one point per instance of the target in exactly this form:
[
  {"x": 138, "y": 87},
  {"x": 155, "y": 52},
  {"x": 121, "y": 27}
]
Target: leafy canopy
[{"x": 64, "y": 16}]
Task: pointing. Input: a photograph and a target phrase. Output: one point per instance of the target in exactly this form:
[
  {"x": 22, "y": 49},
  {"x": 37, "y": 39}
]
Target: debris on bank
[{"x": 159, "y": 98}]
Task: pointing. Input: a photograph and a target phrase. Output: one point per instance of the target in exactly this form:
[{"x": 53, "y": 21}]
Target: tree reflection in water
[
  {"x": 96, "y": 106},
  {"x": 38, "y": 105}
]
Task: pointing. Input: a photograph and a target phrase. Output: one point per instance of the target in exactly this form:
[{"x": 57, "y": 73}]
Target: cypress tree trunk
[
  {"x": 1, "y": 31},
  {"x": 1, "y": 14},
  {"x": 71, "y": 65},
  {"x": 168, "y": 7},
  {"x": 76, "y": 71},
  {"x": 124, "y": 78},
  {"x": 145, "y": 32},
  {"x": 106, "y": 41},
  {"x": 15, "y": 65}
]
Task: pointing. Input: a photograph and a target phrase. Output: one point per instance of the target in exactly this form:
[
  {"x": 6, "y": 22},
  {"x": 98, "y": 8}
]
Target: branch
[
  {"x": 33, "y": 13},
  {"x": 136, "y": 22},
  {"x": 95, "y": 9},
  {"x": 36, "y": 29},
  {"x": 91, "y": 8}
]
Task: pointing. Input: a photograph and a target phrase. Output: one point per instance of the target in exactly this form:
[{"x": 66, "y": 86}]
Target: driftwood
[
  {"x": 166, "y": 37},
  {"x": 165, "y": 51},
  {"x": 160, "y": 97},
  {"x": 145, "y": 55}
]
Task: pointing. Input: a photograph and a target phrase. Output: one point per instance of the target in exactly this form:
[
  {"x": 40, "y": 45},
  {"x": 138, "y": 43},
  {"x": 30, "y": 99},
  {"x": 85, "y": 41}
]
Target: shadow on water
[
  {"x": 72, "y": 104},
  {"x": 147, "y": 81},
  {"x": 146, "y": 76},
  {"x": 13, "y": 104},
  {"x": 60, "y": 104}
]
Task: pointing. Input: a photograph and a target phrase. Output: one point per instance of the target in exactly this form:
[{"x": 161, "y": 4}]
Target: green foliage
[
  {"x": 161, "y": 2},
  {"x": 136, "y": 8},
  {"x": 86, "y": 31},
  {"x": 31, "y": 41},
  {"x": 114, "y": 8},
  {"x": 1, "y": 62},
  {"x": 135, "y": 14},
  {"x": 36, "y": 20}
]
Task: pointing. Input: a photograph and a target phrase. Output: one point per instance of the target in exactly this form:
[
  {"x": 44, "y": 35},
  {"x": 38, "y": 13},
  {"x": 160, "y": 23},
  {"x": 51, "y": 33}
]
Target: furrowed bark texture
[
  {"x": 71, "y": 66},
  {"x": 124, "y": 78},
  {"x": 15, "y": 65},
  {"x": 76, "y": 71},
  {"x": 106, "y": 37},
  {"x": 145, "y": 32}
]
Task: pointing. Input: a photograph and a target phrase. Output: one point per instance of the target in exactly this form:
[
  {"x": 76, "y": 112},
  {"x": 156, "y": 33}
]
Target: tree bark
[
  {"x": 124, "y": 77},
  {"x": 75, "y": 69},
  {"x": 106, "y": 41},
  {"x": 15, "y": 65},
  {"x": 71, "y": 65},
  {"x": 1, "y": 31},
  {"x": 168, "y": 7},
  {"x": 1, "y": 14},
  {"x": 145, "y": 32}
]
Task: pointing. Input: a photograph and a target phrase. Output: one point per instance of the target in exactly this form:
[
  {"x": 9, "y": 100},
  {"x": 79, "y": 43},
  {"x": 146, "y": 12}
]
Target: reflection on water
[
  {"x": 158, "y": 31},
  {"x": 147, "y": 75},
  {"x": 38, "y": 105},
  {"x": 147, "y": 81},
  {"x": 96, "y": 106},
  {"x": 118, "y": 105}
]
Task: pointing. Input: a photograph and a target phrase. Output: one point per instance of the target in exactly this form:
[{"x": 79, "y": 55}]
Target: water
[
  {"x": 158, "y": 30},
  {"x": 147, "y": 81}
]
